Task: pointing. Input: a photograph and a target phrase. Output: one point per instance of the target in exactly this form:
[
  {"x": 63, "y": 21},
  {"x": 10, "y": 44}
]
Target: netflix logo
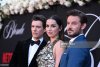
[{"x": 6, "y": 57}]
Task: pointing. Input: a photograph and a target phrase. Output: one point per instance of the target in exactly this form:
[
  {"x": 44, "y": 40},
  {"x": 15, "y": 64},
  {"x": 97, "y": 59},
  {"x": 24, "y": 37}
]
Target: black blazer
[{"x": 20, "y": 55}]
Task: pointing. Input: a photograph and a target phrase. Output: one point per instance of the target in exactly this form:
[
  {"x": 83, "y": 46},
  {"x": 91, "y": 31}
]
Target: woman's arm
[{"x": 58, "y": 50}]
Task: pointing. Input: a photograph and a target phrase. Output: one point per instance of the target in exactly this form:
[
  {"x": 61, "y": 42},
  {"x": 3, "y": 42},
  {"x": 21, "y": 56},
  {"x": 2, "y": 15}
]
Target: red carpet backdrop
[{"x": 15, "y": 27}]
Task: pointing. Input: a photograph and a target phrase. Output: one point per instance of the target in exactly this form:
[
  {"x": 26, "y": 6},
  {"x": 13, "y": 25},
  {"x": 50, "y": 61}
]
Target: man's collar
[
  {"x": 72, "y": 39},
  {"x": 41, "y": 39}
]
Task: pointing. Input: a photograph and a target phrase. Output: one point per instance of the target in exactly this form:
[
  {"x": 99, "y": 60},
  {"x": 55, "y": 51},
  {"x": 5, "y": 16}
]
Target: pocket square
[{"x": 65, "y": 53}]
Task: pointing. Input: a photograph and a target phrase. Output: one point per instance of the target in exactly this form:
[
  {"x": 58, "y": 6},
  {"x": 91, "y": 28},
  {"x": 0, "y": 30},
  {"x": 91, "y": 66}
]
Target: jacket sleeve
[
  {"x": 77, "y": 57},
  {"x": 16, "y": 56}
]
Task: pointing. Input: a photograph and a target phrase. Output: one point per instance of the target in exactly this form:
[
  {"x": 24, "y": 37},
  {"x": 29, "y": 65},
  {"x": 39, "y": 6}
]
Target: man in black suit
[{"x": 25, "y": 53}]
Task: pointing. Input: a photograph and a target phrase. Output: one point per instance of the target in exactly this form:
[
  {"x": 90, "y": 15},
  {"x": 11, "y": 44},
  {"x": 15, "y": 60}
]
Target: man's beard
[{"x": 74, "y": 35}]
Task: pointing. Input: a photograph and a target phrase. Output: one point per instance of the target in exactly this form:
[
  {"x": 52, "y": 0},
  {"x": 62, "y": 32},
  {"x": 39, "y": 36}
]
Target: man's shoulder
[
  {"x": 25, "y": 41},
  {"x": 80, "y": 38}
]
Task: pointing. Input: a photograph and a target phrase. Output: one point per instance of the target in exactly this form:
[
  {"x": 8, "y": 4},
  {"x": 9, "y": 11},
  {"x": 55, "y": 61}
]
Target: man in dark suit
[
  {"x": 77, "y": 53},
  {"x": 25, "y": 53}
]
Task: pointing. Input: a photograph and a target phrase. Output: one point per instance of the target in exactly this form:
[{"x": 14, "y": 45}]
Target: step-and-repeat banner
[{"x": 17, "y": 28}]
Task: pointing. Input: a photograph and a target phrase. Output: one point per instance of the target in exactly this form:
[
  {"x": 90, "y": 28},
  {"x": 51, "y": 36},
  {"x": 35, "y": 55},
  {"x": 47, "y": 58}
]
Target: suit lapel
[{"x": 35, "y": 56}]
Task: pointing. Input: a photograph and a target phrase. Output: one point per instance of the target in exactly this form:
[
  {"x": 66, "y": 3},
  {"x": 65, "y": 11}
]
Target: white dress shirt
[{"x": 33, "y": 49}]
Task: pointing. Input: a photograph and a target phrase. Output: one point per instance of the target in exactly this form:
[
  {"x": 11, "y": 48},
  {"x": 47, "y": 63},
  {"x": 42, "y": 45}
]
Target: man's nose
[{"x": 69, "y": 26}]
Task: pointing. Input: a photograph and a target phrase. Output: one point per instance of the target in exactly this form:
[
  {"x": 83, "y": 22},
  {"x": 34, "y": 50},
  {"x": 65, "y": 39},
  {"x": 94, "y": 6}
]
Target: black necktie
[{"x": 35, "y": 42}]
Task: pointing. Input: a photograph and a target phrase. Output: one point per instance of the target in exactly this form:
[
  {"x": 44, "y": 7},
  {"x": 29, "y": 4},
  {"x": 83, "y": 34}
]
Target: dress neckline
[{"x": 53, "y": 43}]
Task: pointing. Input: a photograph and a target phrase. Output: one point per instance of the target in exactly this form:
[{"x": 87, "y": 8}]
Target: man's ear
[{"x": 83, "y": 26}]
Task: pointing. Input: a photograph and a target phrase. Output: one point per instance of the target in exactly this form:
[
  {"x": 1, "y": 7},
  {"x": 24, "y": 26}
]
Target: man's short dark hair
[
  {"x": 80, "y": 14},
  {"x": 40, "y": 18}
]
